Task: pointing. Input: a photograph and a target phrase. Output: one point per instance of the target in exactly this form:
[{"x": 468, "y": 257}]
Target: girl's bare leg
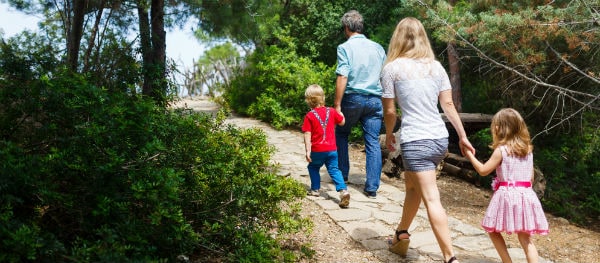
[
  {"x": 438, "y": 219},
  {"x": 528, "y": 247},
  {"x": 500, "y": 246}
]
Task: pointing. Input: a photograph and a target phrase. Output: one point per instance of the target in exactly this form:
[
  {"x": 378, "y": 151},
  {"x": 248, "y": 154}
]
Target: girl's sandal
[
  {"x": 452, "y": 259},
  {"x": 401, "y": 247}
]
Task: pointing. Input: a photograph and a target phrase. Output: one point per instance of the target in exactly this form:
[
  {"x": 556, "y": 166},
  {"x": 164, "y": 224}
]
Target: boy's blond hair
[{"x": 314, "y": 96}]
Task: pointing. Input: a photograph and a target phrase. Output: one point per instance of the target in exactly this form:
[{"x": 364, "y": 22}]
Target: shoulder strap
[{"x": 323, "y": 123}]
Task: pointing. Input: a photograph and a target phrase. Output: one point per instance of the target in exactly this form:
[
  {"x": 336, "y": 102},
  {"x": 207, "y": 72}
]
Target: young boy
[{"x": 319, "y": 140}]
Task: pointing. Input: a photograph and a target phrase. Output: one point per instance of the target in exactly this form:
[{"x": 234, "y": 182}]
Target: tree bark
[
  {"x": 159, "y": 50},
  {"x": 75, "y": 33},
  {"x": 91, "y": 42},
  {"x": 145, "y": 46},
  {"x": 454, "y": 68}
]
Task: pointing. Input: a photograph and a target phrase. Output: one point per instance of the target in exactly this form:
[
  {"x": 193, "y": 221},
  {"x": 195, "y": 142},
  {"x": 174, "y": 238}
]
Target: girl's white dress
[{"x": 515, "y": 208}]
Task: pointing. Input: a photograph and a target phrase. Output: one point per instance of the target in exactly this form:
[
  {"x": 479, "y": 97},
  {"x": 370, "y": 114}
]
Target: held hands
[
  {"x": 469, "y": 153},
  {"x": 339, "y": 109},
  {"x": 466, "y": 147},
  {"x": 390, "y": 141}
]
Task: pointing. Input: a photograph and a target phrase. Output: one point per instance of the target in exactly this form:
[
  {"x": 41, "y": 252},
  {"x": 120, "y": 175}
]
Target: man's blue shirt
[{"x": 361, "y": 60}]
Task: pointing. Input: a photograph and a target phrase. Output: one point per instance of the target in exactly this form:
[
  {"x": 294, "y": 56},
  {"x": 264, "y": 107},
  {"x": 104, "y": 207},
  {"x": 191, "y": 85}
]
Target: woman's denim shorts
[{"x": 423, "y": 155}]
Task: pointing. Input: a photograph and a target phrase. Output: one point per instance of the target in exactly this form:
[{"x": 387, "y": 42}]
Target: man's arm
[{"x": 340, "y": 87}]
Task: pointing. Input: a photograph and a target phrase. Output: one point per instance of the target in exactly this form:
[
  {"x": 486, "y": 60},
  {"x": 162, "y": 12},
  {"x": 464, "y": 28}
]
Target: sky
[{"x": 181, "y": 44}]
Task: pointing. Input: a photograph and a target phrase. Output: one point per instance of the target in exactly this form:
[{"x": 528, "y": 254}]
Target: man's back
[{"x": 360, "y": 59}]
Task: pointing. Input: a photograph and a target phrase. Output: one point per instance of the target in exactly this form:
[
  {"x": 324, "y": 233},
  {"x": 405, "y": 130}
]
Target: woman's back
[{"x": 416, "y": 85}]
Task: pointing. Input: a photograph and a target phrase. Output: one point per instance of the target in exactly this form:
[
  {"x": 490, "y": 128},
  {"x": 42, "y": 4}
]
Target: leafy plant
[
  {"x": 273, "y": 88},
  {"x": 95, "y": 175}
]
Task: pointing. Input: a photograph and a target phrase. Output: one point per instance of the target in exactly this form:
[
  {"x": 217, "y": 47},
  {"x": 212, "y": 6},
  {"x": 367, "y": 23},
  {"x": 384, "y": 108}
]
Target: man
[{"x": 358, "y": 97}]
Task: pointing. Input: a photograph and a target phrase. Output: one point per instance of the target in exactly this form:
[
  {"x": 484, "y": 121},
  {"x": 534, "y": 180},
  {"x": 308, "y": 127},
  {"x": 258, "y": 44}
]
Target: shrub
[
  {"x": 570, "y": 164},
  {"x": 92, "y": 175},
  {"x": 272, "y": 87}
]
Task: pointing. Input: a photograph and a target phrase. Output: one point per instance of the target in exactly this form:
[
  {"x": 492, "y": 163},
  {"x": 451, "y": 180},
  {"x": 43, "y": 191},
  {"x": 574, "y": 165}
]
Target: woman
[{"x": 417, "y": 82}]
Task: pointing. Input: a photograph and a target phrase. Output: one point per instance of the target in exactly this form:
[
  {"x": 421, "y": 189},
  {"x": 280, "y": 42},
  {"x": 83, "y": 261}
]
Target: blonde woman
[{"x": 412, "y": 78}]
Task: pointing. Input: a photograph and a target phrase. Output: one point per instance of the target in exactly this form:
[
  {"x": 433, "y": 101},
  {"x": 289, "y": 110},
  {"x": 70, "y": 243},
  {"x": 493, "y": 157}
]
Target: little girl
[{"x": 514, "y": 207}]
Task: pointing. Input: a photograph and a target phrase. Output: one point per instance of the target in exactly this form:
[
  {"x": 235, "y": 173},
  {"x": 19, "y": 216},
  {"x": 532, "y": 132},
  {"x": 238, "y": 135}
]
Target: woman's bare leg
[
  {"x": 412, "y": 201},
  {"x": 426, "y": 182}
]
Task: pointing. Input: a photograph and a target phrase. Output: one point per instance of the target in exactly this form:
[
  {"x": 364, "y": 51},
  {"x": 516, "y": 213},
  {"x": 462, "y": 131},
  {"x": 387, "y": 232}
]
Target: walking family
[{"x": 369, "y": 86}]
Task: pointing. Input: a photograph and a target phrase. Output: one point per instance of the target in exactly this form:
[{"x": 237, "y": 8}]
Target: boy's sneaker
[
  {"x": 344, "y": 198},
  {"x": 314, "y": 193}
]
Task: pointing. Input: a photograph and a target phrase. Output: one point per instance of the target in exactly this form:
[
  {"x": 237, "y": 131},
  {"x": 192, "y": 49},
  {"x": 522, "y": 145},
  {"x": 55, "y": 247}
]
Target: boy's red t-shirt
[{"x": 311, "y": 124}]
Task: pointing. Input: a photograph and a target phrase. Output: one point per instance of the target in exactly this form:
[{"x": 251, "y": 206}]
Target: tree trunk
[
  {"x": 454, "y": 66},
  {"x": 75, "y": 33},
  {"x": 159, "y": 50},
  {"x": 91, "y": 42},
  {"x": 146, "y": 47}
]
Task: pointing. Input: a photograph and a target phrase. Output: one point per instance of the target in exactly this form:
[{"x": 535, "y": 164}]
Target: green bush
[
  {"x": 94, "y": 175},
  {"x": 570, "y": 165},
  {"x": 272, "y": 87}
]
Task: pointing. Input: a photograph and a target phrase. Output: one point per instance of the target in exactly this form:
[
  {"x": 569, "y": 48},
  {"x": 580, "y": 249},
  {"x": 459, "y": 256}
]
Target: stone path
[{"x": 370, "y": 221}]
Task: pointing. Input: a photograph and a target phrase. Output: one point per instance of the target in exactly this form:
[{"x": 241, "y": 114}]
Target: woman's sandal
[
  {"x": 400, "y": 247},
  {"x": 452, "y": 259}
]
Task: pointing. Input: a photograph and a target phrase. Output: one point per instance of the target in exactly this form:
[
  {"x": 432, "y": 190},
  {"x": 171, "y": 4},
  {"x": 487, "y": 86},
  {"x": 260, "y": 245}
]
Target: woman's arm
[
  {"x": 389, "y": 118},
  {"x": 447, "y": 104}
]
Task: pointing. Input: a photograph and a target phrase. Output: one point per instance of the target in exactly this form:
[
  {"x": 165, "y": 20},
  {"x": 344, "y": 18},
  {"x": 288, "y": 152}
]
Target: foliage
[
  {"x": 317, "y": 30},
  {"x": 272, "y": 89},
  {"x": 542, "y": 56},
  {"x": 245, "y": 23},
  {"x": 99, "y": 38},
  {"x": 574, "y": 180},
  {"x": 480, "y": 95},
  {"x": 91, "y": 175},
  {"x": 481, "y": 141}
]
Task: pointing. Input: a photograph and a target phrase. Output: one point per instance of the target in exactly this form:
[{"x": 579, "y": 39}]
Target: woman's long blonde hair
[
  {"x": 508, "y": 128},
  {"x": 409, "y": 40}
]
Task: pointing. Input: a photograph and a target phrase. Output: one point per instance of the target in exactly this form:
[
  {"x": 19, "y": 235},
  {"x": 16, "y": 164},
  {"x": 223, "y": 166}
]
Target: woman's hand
[{"x": 465, "y": 146}]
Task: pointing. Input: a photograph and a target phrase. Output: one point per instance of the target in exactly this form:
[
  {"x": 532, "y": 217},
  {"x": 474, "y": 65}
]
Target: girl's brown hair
[{"x": 508, "y": 128}]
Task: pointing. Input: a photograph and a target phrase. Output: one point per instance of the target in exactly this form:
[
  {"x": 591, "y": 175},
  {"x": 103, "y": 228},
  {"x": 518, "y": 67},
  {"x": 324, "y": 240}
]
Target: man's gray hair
[{"x": 353, "y": 20}]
